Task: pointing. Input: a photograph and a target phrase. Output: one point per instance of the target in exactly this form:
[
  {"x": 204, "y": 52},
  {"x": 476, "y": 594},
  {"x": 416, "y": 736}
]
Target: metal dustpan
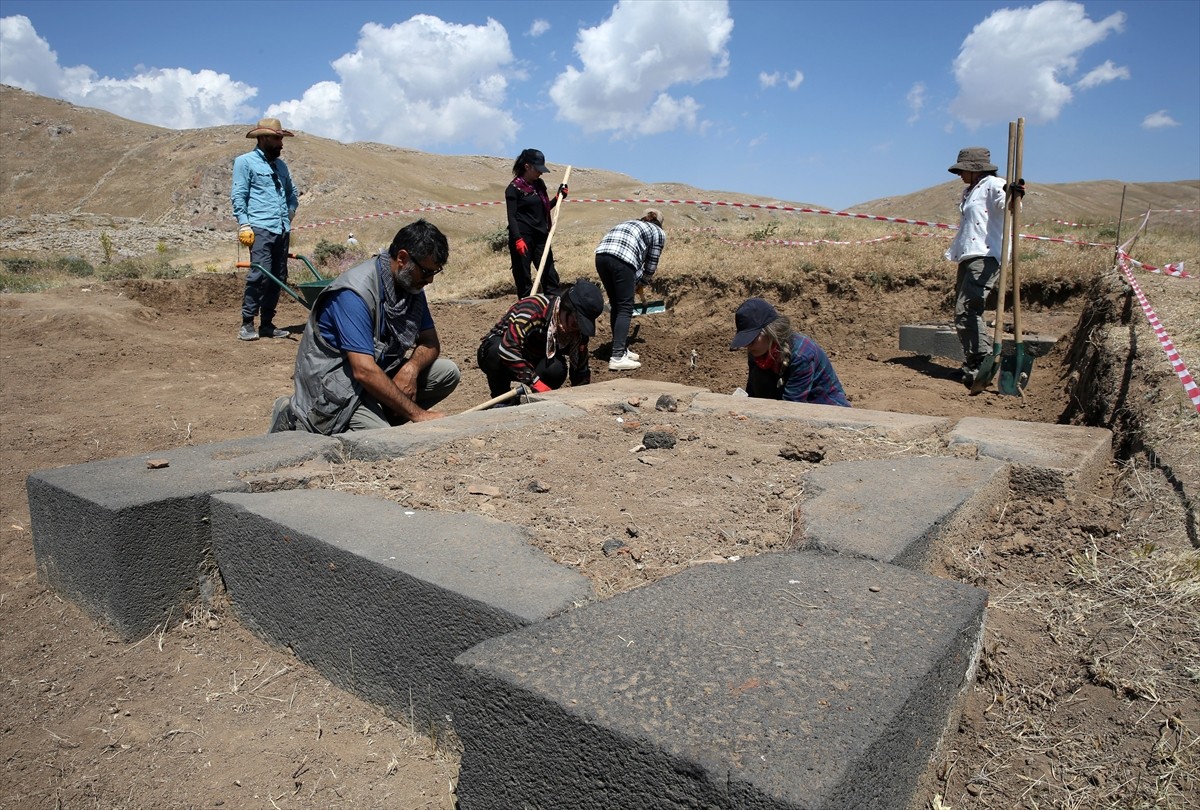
[{"x": 649, "y": 307}]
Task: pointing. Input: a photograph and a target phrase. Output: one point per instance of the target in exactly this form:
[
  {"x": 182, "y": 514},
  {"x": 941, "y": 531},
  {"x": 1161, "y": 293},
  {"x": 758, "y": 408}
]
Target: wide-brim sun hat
[
  {"x": 973, "y": 159},
  {"x": 753, "y": 316},
  {"x": 269, "y": 126}
]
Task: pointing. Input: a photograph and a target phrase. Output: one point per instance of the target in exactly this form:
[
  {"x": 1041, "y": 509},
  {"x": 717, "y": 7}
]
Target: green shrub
[
  {"x": 21, "y": 266},
  {"x": 126, "y": 268},
  {"x": 496, "y": 239},
  {"x": 326, "y": 251},
  {"x": 75, "y": 266}
]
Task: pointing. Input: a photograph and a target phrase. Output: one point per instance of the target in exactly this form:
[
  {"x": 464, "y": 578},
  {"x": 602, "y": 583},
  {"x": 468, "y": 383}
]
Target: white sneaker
[
  {"x": 623, "y": 363},
  {"x": 632, "y": 355}
]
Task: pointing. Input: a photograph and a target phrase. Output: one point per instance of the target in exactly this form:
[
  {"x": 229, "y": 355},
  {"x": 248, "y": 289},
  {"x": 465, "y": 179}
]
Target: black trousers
[
  {"x": 500, "y": 378},
  {"x": 525, "y": 267},
  {"x": 620, "y": 283}
]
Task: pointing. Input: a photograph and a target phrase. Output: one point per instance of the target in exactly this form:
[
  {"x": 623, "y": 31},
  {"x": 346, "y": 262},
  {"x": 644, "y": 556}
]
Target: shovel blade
[
  {"x": 649, "y": 308},
  {"x": 1015, "y": 369},
  {"x": 987, "y": 371}
]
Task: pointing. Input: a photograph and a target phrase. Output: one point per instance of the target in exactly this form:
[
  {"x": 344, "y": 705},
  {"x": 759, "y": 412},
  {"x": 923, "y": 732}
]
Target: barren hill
[{"x": 68, "y": 171}]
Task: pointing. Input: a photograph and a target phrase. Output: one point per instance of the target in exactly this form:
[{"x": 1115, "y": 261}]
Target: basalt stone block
[
  {"x": 129, "y": 543},
  {"x": 786, "y": 681},
  {"x": 380, "y": 598}
]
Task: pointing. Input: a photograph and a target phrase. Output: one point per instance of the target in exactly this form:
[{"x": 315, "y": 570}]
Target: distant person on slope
[
  {"x": 264, "y": 203},
  {"x": 528, "y": 205},
  {"x": 625, "y": 260},
  {"x": 976, "y": 249},
  {"x": 370, "y": 356},
  {"x": 783, "y": 364}
]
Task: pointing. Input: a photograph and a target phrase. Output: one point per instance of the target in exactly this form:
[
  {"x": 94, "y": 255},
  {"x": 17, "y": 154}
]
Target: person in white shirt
[{"x": 976, "y": 249}]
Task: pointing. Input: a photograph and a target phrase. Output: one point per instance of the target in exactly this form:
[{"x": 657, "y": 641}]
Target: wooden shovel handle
[
  {"x": 537, "y": 280},
  {"x": 1002, "y": 281},
  {"x": 1018, "y": 156}
]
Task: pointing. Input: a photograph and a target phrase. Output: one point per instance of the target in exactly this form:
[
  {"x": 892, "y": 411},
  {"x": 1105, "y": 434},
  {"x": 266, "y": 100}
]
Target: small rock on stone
[
  {"x": 539, "y": 486},
  {"x": 658, "y": 440},
  {"x": 157, "y": 464},
  {"x": 813, "y": 455},
  {"x": 666, "y": 402},
  {"x": 611, "y": 547}
]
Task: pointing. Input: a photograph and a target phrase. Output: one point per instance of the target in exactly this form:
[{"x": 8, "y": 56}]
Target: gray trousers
[
  {"x": 433, "y": 385},
  {"x": 976, "y": 278},
  {"x": 270, "y": 250}
]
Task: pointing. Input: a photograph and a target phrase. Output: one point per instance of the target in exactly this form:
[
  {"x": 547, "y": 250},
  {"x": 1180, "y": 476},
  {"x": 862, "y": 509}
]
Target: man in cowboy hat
[{"x": 264, "y": 202}]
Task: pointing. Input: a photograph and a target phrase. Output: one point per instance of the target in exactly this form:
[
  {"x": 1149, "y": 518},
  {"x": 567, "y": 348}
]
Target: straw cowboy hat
[{"x": 269, "y": 126}]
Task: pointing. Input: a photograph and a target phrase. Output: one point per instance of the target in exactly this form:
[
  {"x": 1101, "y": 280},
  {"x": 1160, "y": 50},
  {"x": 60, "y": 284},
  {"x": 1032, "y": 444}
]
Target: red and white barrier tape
[
  {"x": 1174, "y": 269},
  {"x": 1171, "y": 269},
  {"x": 1164, "y": 340}
]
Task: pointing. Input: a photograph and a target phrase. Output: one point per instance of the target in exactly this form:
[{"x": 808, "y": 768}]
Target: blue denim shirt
[{"x": 263, "y": 194}]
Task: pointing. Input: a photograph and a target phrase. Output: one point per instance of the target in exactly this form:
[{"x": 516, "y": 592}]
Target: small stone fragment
[
  {"x": 539, "y": 486},
  {"x": 611, "y": 547},
  {"x": 666, "y": 402},
  {"x": 480, "y": 489},
  {"x": 658, "y": 440},
  {"x": 157, "y": 464},
  {"x": 812, "y": 455}
]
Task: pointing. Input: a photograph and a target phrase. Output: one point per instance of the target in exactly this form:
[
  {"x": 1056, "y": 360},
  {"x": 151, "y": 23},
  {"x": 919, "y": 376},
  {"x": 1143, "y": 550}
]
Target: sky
[{"x": 822, "y": 103}]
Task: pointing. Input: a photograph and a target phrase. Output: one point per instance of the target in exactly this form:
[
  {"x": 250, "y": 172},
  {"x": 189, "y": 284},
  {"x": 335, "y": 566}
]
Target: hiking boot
[
  {"x": 271, "y": 331},
  {"x": 281, "y": 416},
  {"x": 623, "y": 363},
  {"x": 248, "y": 332}
]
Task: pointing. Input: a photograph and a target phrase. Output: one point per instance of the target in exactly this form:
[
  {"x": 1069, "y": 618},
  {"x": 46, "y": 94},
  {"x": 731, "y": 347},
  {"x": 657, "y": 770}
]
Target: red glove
[
  {"x": 522, "y": 248},
  {"x": 540, "y": 387}
]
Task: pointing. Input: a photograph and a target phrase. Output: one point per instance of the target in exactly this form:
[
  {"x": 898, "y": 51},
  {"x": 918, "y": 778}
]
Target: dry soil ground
[{"x": 203, "y": 714}]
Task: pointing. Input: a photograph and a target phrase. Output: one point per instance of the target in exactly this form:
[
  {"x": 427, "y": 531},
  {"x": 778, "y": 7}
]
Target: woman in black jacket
[{"x": 529, "y": 206}]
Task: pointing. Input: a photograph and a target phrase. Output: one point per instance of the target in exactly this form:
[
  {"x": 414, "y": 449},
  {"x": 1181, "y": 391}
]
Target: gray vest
[{"x": 326, "y": 393}]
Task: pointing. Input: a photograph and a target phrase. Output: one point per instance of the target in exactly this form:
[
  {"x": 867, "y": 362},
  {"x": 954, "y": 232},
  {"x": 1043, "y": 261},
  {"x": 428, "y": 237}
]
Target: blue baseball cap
[{"x": 750, "y": 319}]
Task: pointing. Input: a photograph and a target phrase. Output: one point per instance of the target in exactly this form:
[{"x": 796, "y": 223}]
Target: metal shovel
[
  {"x": 1016, "y": 368},
  {"x": 991, "y": 363}
]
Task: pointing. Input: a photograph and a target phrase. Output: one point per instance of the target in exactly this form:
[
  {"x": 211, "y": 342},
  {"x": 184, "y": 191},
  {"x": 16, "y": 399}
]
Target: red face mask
[{"x": 771, "y": 361}]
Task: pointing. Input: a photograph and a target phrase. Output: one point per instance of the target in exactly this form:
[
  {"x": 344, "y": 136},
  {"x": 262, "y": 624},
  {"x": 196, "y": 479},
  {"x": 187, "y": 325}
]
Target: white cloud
[
  {"x": 1014, "y": 61},
  {"x": 796, "y": 80},
  {"x": 769, "y": 79},
  {"x": 418, "y": 83},
  {"x": 1103, "y": 74},
  {"x": 916, "y": 101},
  {"x": 538, "y": 28},
  {"x": 167, "y": 97},
  {"x": 632, "y": 59},
  {"x": 1159, "y": 120}
]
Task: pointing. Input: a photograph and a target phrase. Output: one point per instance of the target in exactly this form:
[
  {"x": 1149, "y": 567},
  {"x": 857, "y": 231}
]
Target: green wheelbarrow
[{"x": 308, "y": 290}]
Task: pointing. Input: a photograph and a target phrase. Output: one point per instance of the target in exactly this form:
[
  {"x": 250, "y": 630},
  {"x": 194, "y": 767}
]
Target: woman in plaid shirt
[{"x": 626, "y": 259}]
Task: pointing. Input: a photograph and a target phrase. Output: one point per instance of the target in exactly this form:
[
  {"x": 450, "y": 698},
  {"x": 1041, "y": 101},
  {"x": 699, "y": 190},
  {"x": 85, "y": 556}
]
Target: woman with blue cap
[{"x": 783, "y": 364}]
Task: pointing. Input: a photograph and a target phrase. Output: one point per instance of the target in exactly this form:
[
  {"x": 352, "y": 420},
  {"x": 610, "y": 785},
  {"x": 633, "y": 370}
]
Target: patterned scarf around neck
[
  {"x": 398, "y": 318},
  {"x": 526, "y": 188}
]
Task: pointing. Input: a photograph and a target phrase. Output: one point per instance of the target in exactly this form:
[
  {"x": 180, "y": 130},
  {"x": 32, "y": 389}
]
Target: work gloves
[
  {"x": 246, "y": 235},
  {"x": 522, "y": 248},
  {"x": 562, "y": 190},
  {"x": 1016, "y": 189}
]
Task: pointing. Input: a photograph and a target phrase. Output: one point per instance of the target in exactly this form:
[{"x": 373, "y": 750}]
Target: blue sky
[{"x": 823, "y": 103}]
